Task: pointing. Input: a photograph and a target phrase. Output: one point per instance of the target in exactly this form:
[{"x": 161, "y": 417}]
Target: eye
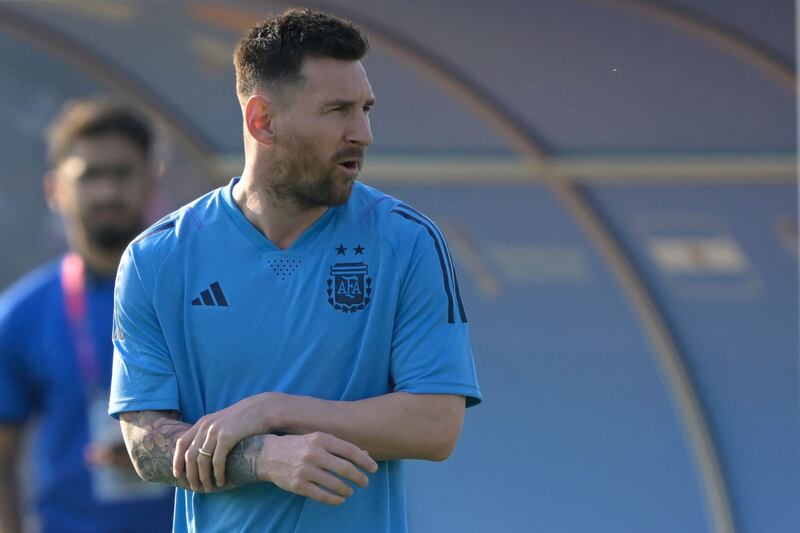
[
  {"x": 123, "y": 171},
  {"x": 367, "y": 109},
  {"x": 89, "y": 174}
]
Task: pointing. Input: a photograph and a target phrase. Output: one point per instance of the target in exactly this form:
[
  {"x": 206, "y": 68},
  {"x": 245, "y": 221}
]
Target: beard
[
  {"x": 304, "y": 180},
  {"x": 112, "y": 236}
]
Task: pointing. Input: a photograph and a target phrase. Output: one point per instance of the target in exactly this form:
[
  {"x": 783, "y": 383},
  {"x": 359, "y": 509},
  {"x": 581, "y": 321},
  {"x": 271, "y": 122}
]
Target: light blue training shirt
[{"x": 365, "y": 302}]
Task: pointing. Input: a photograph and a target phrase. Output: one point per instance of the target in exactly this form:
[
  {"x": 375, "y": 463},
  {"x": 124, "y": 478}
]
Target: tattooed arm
[
  {"x": 303, "y": 464},
  {"x": 151, "y": 436}
]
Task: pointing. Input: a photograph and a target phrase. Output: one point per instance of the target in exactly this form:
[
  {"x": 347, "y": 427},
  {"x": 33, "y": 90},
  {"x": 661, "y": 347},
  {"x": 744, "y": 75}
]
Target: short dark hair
[
  {"x": 273, "y": 52},
  {"x": 92, "y": 117}
]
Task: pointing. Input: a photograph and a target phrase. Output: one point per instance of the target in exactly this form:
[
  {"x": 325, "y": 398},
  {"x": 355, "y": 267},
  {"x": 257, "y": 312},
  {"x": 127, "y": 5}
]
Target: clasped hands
[{"x": 313, "y": 465}]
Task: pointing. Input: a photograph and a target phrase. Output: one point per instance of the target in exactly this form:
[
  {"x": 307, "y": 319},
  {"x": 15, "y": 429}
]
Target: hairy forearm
[
  {"x": 393, "y": 426},
  {"x": 151, "y": 439}
]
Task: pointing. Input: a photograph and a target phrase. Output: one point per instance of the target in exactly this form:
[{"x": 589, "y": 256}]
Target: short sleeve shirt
[{"x": 365, "y": 302}]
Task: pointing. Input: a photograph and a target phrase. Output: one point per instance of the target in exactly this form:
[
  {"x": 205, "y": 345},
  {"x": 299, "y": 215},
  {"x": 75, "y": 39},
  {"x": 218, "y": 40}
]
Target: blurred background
[{"x": 617, "y": 181}]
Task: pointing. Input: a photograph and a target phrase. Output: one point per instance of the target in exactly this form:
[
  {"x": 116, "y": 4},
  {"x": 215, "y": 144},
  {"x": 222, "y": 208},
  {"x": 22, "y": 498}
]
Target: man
[
  {"x": 283, "y": 342},
  {"x": 55, "y": 329}
]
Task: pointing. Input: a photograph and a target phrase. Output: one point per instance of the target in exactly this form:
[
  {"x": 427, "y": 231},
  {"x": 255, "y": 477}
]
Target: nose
[
  {"x": 110, "y": 185},
  {"x": 359, "y": 131},
  {"x": 105, "y": 187}
]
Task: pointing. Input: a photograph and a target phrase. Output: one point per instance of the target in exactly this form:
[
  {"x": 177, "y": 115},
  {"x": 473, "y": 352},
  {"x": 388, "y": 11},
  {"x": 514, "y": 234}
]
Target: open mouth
[
  {"x": 350, "y": 168},
  {"x": 350, "y": 165}
]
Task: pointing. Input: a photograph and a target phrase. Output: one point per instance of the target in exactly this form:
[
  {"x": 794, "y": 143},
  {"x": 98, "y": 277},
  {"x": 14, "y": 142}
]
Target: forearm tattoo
[
  {"x": 151, "y": 438},
  {"x": 240, "y": 467}
]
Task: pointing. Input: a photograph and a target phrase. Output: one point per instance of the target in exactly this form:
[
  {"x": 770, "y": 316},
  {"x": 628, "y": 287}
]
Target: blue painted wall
[
  {"x": 578, "y": 431},
  {"x": 738, "y": 330}
]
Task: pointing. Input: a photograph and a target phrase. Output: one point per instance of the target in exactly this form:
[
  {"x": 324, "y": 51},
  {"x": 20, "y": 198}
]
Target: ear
[
  {"x": 258, "y": 118},
  {"x": 155, "y": 171},
  {"x": 50, "y": 189}
]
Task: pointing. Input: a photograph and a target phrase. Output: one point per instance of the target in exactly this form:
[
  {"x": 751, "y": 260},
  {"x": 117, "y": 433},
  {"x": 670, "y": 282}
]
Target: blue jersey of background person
[
  {"x": 40, "y": 376},
  {"x": 365, "y": 302}
]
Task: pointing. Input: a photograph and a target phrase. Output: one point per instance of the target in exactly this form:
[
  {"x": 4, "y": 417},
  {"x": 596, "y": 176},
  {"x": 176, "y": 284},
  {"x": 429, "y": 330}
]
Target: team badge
[
  {"x": 349, "y": 287},
  {"x": 349, "y": 284}
]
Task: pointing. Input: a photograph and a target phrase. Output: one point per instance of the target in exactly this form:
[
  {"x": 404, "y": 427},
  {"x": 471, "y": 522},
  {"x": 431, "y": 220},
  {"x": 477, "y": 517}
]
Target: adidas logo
[{"x": 205, "y": 297}]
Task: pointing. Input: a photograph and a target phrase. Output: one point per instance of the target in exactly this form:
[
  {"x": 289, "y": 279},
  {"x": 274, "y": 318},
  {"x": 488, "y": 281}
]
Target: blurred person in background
[{"x": 55, "y": 336}]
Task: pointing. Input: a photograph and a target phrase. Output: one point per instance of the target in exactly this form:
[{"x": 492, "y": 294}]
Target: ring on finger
[{"x": 201, "y": 451}]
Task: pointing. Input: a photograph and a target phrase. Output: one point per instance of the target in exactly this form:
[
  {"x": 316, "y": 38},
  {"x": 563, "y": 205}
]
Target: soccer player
[
  {"x": 283, "y": 342},
  {"x": 55, "y": 336}
]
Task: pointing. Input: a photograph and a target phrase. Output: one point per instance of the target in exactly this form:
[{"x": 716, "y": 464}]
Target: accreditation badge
[{"x": 111, "y": 483}]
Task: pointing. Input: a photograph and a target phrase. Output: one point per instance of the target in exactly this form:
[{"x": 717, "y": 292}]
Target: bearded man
[{"x": 284, "y": 342}]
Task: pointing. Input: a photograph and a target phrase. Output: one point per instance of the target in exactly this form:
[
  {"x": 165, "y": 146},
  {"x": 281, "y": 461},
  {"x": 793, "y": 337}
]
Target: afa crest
[{"x": 349, "y": 287}]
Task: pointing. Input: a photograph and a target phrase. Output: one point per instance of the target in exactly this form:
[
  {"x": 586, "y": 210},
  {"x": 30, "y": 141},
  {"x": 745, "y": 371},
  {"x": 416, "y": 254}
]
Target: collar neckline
[{"x": 261, "y": 241}]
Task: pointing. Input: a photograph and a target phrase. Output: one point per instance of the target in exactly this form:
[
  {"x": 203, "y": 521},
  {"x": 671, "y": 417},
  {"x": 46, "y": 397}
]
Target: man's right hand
[{"x": 309, "y": 465}]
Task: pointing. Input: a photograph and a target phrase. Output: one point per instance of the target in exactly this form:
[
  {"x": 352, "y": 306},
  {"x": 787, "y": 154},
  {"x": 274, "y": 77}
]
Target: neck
[
  {"x": 99, "y": 261},
  {"x": 280, "y": 221}
]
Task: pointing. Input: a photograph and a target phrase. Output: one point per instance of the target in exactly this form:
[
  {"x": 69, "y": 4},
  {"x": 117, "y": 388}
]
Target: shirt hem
[
  {"x": 470, "y": 392},
  {"x": 117, "y": 408}
]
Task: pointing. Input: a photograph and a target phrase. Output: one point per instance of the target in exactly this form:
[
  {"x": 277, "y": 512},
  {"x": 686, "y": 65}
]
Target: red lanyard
[{"x": 73, "y": 284}]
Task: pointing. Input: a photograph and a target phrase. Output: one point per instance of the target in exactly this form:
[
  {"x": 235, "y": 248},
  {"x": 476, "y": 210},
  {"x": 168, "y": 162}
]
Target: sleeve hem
[
  {"x": 118, "y": 407},
  {"x": 470, "y": 392}
]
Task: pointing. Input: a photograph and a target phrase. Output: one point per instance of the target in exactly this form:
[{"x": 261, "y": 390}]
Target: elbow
[
  {"x": 441, "y": 453},
  {"x": 140, "y": 460},
  {"x": 141, "y": 472},
  {"x": 143, "y": 475},
  {"x": 441, "y": 448},
  {"x": 445, "y": 427}
]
